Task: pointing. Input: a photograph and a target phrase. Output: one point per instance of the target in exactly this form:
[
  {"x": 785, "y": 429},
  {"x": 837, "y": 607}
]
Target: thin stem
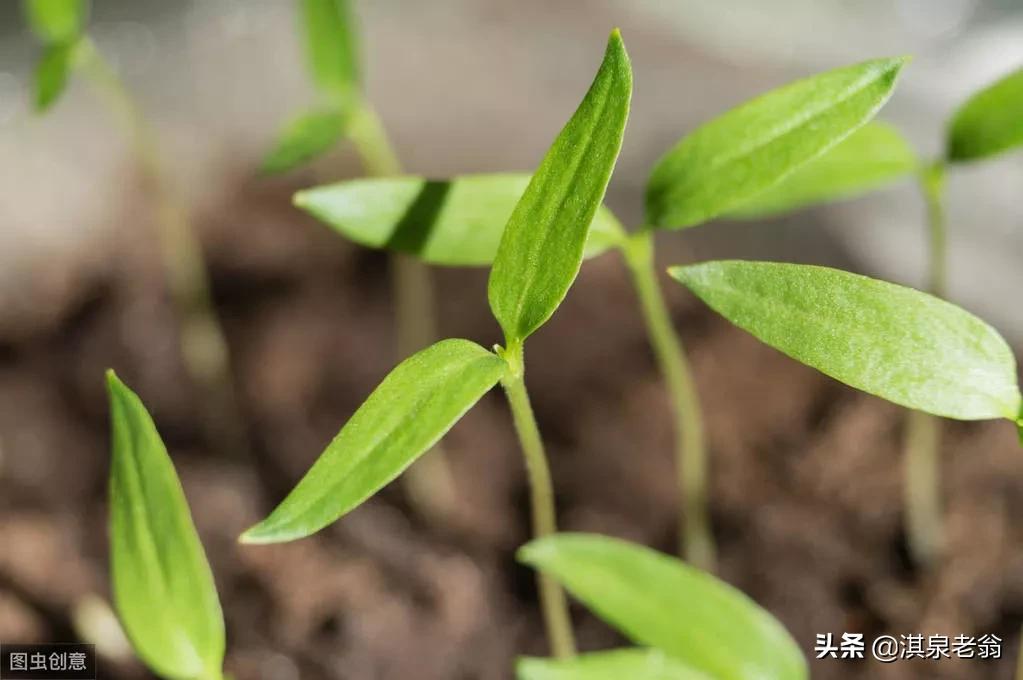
[
  {"x": 1019, "y": 661},
  {"x": 203, "y": 344},
  {"x": 696, "y": 539},
  {"x": 924, "y": 524},
  {"x": 553, "y": 602},
  {"x": 430, "y": 482}
]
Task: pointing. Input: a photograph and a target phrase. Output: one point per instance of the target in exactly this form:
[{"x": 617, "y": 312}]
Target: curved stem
[
  {"x": 924, "y": 524},
  {"x": 429, "y": 483},
  {"x": 696, "y": 539},
  {"x": 553, "y": 602},
  {"x": 203, "y": 344}
]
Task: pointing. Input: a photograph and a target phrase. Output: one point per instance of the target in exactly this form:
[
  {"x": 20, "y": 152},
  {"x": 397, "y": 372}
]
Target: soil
[{"x": 806, "y": 473}]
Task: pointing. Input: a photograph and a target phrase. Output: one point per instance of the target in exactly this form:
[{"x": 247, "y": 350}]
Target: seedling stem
[
  {"x": 553, "y": 602},
  {"x": 696, "y": 539},
  {"x": 429, "y": 482},
  {"x": 924, "y": 526},
  {"x": 203, "y": 344}
]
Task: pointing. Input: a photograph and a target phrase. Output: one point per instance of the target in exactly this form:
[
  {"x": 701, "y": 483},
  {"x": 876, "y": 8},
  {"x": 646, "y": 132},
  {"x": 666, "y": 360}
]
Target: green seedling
[
  {"x": 712, "y": 172},
  {"x": 987, "y": 124},
  {"x": 163, "y": 588},
  {"x": 537, "y": 260},
  {"x": 343, "y": 112},
  {"x": 68, "y": 49},
  {"x": 688, "y": 624}
]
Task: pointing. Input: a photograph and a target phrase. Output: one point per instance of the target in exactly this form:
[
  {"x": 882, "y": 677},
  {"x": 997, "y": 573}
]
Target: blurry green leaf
[
  {"x": 990, "y": 122},
  {"x": 541, "y": 248},
  {"x": 332, "y": 49},
  {"x": 660, "y": 602},
  {"x": 55, "y": 21},
  {"x": 404, "y": 416},
  {"x": 51, "y": 74},
  {"x": 621, "y": 664},
  {"x": 732, "y": 158},
  {"x": 455, "y": 222},
  {"x": 905, "y": 346},
  {"x": 163, "y": 587},
  {"x": 305, "y": 138},
  {"x": 871, "y": 157}
]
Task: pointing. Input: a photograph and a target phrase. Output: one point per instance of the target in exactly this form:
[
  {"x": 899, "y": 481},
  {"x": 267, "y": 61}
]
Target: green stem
[
  {"x": 696, "y": 539},
  {"x": 553, "y": 602},
  {"x": 924, "y": 524},
  {"x": 430, "y": 482},
  {"x": 203, "y": 344}
]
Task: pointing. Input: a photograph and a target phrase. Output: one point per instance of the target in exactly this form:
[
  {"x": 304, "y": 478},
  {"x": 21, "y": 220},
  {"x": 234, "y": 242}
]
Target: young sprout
[
  {"x": 537, "y": 260},
  {"x": 689, "y": 625},
  {"x": 989, "y": 123},
  {"x": 712, "y": 172},
  {"x": 344, "y": 112},
  {"x": 163, "y": 588},
  {"x": 68, "y": 49}
]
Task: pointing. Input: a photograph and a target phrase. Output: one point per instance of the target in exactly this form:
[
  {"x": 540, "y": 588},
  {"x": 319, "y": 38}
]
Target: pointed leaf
[
  {"x": 660, "y": 602},
  {"x": 734, "y": 157},
  {"x": 990, "y": 122},
  {"x": 404, "y": 416},
  {"x": 541, "y": 248},
  {"x": 55, "y": 21},
  {"x": 305, "y": 138},
  {"x": 332, "y": 49},
  {"x": 51, "y": 74},
  {"x": 870, "y": 158},
  {"x": 620, "y": 664},
  {"x": 905, "y": 346},
  {"x": 162, "y": 584},
  {"x": 455, "y": 222}
]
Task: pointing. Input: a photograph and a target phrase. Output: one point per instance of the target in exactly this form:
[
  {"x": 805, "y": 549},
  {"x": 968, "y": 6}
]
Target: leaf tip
[
  {"x": 255, "y": 535},
  {"x": 532, "y": 554}
]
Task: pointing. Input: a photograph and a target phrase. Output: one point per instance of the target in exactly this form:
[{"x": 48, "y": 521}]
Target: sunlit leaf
[
  {"x": 162, "y": 584},
  {"x": 52, "y": 73},
  {"x": 905, "y": 346},
  {"x": 305, "y": 138},
  {"x": 404, "y": 416},
  {"x": 332, "y": 49},
  {"x": 56, "y": 21},
  {"x": 660, "y": 602},
  {"x": 990, "y": 122},
  {"x": 455, "y": 222},
  {"x": 872, "y": 157},
  {"x": 732, "y": 158},
  {"x": 542, "y": 246}
]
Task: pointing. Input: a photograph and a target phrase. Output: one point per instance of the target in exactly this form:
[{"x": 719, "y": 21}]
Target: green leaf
[
  {"x": 541, "y": 248},
  {"x": 747, "y": 150},
  {"x": 305, "y": 138},
  {"x": 870, "y": 158},
  {"x": 332, "y": 49},
  {"x": 55, "y": 21},
  {"x": 905, "y": 346},
  {"x": 456, "y": 222},
  {"x": 990, "y": 121},
  {"x": 52, "y": 73},
  {"x": 620, "y": 664},
  {"x": 660, "y": 602},
  {"x": 162, "y": 584},
  {"x": 404, "y": 416}
]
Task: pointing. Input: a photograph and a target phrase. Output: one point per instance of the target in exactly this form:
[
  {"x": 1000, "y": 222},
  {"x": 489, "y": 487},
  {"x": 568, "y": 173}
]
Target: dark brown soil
[{"x": 806, "y": 473}]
